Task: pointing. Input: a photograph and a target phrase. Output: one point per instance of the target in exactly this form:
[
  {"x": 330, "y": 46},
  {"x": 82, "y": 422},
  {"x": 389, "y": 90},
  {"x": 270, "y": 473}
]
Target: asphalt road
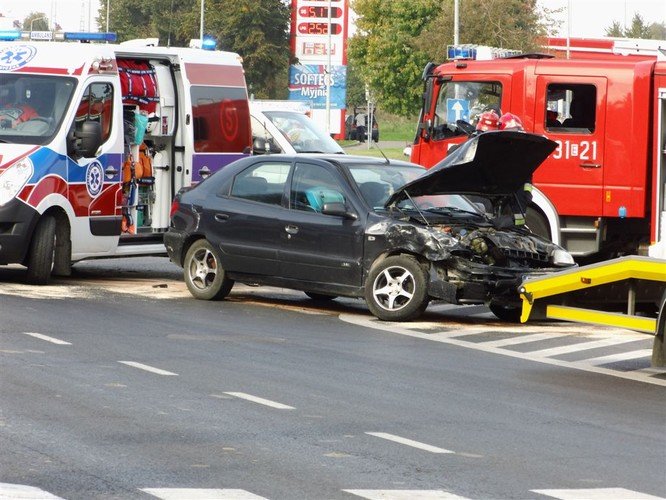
[{"x": 116, "y": 384}]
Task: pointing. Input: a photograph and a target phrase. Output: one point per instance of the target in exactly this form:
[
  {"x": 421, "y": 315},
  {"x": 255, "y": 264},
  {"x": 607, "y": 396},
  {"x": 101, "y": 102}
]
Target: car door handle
[
  {"x": 291, "y": 229},
  {"x": 587, "y": 164},
  {"x": 221, "y": 217}
]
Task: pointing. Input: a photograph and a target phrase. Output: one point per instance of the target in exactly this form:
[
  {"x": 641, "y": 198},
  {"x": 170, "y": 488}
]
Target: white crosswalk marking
[
  {"x": 409, "y": 442},
  {"x": 20, "y": 491},
  {"x": 149, "y": 368},
  {"x": 597, "y": 494},
  {"x": 524, "y": 339},
  {"x": 261, "y": 401},
  {"x": 53, "y": 340},
  {"x": 623, "y": 356},
  {"x": 405, "y": 494},
  {"x": 582, "y": 346},
  {"x": 201, "y": 494}
]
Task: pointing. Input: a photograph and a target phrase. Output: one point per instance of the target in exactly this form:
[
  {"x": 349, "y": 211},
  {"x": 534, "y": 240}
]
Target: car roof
[{"x": 352, "y": 160}]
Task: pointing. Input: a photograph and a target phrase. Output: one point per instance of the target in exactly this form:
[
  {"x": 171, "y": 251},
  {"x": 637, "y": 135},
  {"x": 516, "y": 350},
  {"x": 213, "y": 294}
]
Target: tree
[
  {"x": 384, "y": 53},
  {"x": 397, "y": 38},
  {"x": 37, "y": 21},
  {"x": 638, "y": 29},
  {"x": 258, "y": 30}
]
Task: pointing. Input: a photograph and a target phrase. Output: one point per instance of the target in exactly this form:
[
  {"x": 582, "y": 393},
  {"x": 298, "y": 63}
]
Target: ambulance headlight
[
  {"x": 562, "y": 258},
  {"x": 13, "y": 178}
]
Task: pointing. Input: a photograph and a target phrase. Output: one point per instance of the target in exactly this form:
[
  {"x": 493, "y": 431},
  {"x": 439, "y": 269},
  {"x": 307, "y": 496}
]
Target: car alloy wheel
[
  {"x": 204, "y": 275},
  {"x": 396, "y": 289}
]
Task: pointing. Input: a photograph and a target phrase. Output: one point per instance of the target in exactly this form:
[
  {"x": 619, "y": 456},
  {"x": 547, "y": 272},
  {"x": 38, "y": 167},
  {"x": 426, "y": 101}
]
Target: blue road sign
[{"x": 457, "y": 109}]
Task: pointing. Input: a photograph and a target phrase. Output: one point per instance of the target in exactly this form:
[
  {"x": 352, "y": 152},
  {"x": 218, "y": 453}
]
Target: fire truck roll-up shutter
[{"x": 138, "y": 84}]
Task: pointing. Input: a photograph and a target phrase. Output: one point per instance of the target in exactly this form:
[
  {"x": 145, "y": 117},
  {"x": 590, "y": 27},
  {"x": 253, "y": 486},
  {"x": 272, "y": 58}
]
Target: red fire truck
[{"x": 602, "y": 192}]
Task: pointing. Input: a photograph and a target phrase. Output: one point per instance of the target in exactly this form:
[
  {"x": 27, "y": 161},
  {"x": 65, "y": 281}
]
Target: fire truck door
[{"x": 572, "y": 112}]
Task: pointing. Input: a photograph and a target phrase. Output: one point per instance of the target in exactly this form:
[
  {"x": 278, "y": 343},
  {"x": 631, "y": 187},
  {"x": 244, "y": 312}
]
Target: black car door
[
  {"x": 319, "y": 248},
  {"x": 245, "y": 223}
]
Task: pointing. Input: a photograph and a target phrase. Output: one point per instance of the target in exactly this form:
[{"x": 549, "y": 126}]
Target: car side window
[
  {"x": 264, "y": 182},
  {"x": 96, "y": 105},
  {"x": 312, "y": 186}
]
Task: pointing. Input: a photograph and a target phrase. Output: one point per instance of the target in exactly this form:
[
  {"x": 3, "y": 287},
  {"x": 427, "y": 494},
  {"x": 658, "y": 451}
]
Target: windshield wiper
[{"x": 455, "y": 210}]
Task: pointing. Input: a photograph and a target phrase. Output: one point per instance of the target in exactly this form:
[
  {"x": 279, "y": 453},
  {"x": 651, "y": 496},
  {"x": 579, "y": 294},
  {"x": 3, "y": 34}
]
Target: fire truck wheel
[
  {"x": 42, "y": 251},
  {"x": 396, "y": 288},
  {"x": 537, "y": 223},
  {"x": 204, "y": 276},
  {"x": 509, "y": 314}
]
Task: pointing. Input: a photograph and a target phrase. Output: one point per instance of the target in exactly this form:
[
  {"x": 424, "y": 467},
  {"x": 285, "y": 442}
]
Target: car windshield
[
  {"x": 303, "y": 134},
  {"x": 32, "y": 107},
  {"x": 378, "y": 182}
]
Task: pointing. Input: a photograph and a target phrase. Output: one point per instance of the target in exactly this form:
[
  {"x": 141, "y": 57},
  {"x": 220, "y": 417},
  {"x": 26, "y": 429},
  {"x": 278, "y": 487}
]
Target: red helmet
[
  {"x": 488, "y": 120},
  {"x": 509, "y": 121}
]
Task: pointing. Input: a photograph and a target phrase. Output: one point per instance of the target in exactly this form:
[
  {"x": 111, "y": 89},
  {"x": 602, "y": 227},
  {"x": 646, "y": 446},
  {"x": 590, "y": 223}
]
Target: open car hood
[{"x": 493, "y": 163}]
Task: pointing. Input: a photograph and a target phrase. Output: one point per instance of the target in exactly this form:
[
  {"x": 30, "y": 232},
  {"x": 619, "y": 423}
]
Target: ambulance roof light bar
[
  {"x": 477, "y": 52},
  {"x": 81, "y": 36}
]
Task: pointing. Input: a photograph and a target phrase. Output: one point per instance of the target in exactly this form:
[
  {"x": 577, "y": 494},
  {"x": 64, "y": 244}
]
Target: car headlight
[
  {"x": 562, "y": 258},
  {"x": 14, "y": 178}
]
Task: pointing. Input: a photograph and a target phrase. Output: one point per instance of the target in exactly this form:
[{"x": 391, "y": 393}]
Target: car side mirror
[
  {"x": 338, "y": 209},
  {"x": 85, "y": 141},
  {"x": 261, "y": 146}
]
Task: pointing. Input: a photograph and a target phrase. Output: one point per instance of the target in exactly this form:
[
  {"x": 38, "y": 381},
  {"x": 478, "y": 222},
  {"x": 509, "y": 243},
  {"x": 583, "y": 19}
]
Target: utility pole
[{"x": 328, "y": 74}]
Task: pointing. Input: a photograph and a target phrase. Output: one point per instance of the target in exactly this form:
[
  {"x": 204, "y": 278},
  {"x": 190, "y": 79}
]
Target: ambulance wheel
[
  {"x": 42, "y": 251},
  {"x": 396, "y": 289},
  {"x": 510, "y": 314},
  {"x": 204, "y": 276}
]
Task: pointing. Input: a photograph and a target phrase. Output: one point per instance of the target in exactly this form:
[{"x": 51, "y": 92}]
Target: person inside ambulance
[
  {"x": 509, "y": 121},
  {"x": 12, "y": 111}
]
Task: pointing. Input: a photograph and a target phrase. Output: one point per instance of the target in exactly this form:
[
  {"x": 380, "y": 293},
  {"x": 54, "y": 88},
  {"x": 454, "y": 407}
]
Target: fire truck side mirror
[{"x": 84, "y": 142}]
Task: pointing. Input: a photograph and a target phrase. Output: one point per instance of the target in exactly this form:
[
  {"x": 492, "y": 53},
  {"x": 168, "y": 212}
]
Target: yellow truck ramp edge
[{"x": 602, "y": 273}]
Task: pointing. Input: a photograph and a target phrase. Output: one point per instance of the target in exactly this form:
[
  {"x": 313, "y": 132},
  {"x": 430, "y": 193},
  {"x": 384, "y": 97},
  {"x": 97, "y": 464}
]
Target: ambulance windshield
[{"x": 32, "y": 107}]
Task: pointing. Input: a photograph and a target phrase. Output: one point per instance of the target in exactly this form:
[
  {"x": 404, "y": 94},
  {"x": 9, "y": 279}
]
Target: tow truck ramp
[{"x": 591, "y": 294}]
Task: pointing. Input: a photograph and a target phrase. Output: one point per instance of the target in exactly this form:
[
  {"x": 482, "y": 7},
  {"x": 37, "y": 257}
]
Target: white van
[
  {"x": 285, "y": 127},
  {"x": 95, "y": 140}
]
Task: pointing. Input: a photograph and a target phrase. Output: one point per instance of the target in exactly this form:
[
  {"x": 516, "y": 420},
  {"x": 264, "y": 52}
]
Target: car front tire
[
  {"x": 396, "y": 289},
  {"x": 42, "y": 251},
  {"x": 204, "y": 276}
]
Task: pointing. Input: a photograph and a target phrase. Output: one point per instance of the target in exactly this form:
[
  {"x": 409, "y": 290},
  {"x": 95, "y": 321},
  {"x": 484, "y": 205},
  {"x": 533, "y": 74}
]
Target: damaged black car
[{"x": 390, "y": 232}]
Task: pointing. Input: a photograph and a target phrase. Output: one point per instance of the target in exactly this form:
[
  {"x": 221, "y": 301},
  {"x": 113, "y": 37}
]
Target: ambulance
[{"x": 96, "y": 139}]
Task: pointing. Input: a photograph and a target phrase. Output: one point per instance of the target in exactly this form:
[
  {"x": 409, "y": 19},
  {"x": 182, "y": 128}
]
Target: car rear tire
[
  {"x": 320, "y": 296},
  {"x": 204, "y": 276},
  {"x": 42, "y": 251},
  {"x": 397, "y": 289},
  {"x": 510, "y": 314}
]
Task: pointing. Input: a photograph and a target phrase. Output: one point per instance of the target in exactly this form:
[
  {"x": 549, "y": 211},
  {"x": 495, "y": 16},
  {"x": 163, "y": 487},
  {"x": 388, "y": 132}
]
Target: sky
[{"x": 589, "y": 18}]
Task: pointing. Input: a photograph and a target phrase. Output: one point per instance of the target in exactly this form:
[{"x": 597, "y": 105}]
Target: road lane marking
[
  {"x": 261, "y": 401},
  {"x": 409, "y": 442},
  {"x": 623, "y": 356},
  {"x": 523, "y": 339},
  {"x": 597, "y": 494},
  {"x": 582, "y": 346},
  {"x": 148, "y": 368},
  {"x": 405, "y": 494},
  {"x": 17, "y": 491},
  {"x": 53, "y": 340},
  {"x": 201, "y": 494},
  {"x": 368, "y": 322}
]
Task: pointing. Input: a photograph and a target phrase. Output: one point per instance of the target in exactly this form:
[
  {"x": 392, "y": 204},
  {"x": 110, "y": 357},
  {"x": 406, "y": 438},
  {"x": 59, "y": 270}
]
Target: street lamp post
[
  {"x": 328, "y": 74},
  {"x": 201, "y": 22}
]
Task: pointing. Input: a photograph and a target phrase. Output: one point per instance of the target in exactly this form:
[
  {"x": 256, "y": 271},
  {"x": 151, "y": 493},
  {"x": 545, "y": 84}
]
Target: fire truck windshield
[
  {"x": 32, "y": 107},
  {"x": 460, "y": 100}
]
